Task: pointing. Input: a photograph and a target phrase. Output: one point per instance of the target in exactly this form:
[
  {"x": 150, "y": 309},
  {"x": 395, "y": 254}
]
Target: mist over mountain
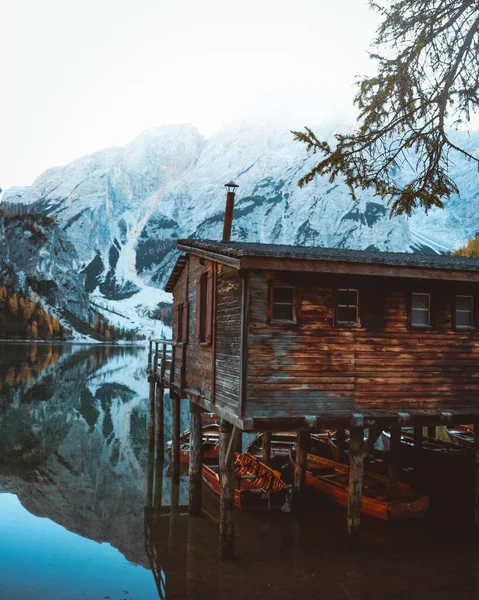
[{"x": 123, "y": 208}]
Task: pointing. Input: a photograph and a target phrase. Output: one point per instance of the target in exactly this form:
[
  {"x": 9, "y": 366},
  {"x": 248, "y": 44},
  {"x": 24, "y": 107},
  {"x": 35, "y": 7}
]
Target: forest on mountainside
[{"x": 470, "y": 248}]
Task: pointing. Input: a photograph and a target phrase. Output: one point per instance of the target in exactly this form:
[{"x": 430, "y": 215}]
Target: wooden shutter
[
  {"x": 184, "y": 333},
  {"x": 198, "y": 309},
  {"x": 209, "y": 307},
  {"x": 177, "y": 323}
]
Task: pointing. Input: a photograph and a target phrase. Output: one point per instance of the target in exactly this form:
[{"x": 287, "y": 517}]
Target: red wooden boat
[
  {"x": 382, "y": 498},
  {"x": 257, "y": 486},
  {"x": 209, "y": 444}
]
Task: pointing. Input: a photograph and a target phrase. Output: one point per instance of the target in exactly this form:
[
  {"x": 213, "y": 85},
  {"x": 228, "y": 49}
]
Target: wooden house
[
  {"x": 291, "y": 338},
  {"x": 285, "y": 337}
]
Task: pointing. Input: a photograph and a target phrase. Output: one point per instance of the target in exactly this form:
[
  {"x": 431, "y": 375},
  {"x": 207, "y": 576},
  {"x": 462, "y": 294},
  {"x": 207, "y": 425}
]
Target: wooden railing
[{"x": 162, "y": 357}]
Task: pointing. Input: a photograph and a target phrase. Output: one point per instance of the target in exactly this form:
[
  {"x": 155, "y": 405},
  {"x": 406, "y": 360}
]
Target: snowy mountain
[{"x": 124, "y": 208}]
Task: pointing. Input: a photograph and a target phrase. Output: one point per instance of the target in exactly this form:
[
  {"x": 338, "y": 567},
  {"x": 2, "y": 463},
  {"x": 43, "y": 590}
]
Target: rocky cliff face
[
  {"x": 35, "y": 253},
  {"x": 124, "y": 208}
]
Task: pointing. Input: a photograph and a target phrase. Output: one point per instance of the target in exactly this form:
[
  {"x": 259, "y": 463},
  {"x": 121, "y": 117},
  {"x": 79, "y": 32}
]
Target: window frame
[
  {"x": 292, "y": 304},
  {"x": 338, "y": 322},
  {"x": 423, "y": 326},
  {"x": 464, "y": 327}
]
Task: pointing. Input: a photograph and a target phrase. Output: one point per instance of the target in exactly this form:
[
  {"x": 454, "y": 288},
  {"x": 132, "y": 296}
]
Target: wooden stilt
[
  {"x": 341, "y": 444},
  {"x": 227, "y": 495},
  {"x": 356, "y": 470},
  {"x": 175, "y": 435},
  {"x": 302, "y": 447},
  {"x": 194, "y": 471},
  {"x": 151, "y": 414},
  {"x": 476, "y": 473},
  {"x": 431, "y": 431},
  {"x": 395, "y": 453},
  {"x": 266, "y": 447},
  {"x": 159, "y": 422}
]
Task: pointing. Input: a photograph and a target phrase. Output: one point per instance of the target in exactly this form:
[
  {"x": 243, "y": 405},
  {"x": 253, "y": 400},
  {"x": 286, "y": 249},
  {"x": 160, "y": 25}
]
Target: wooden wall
[
  {"x": 315, "y": 365},
  {"x": 214, "y": 366},
  {"x": 228, "y": 337}
]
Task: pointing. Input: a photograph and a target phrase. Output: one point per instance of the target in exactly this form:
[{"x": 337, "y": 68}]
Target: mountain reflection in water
[{"x": 85, "y": 513}]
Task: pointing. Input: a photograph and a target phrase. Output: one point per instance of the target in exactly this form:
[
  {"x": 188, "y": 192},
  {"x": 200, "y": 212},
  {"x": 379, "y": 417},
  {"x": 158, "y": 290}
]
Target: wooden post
[
  {"x": 431, "y": 431},
  {"x": 395, "y": 453},
  {"x": 227, "y": 495},
  {"x": 266, "y": 447},
  {"x": 476, "y": 473},
  {"x": 151, "y": 413},
  {"x": 341, "y": 444},
  {"x": 302, "y": 447},
  {"x": 175, "y": 436},
  {"x": 194, "y": 472},
  {"x": 356, "y": 470},
  {"x": 160, "y": 421}
]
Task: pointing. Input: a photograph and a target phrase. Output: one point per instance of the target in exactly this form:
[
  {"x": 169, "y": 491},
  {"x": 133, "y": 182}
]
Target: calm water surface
[{"x": 79, "y": 519}]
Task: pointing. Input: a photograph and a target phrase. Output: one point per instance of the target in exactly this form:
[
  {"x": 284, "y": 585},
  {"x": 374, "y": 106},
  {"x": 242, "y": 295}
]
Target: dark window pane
[
  {"x": 283, "y": 312},
  {"x": 348, "y": 297},
  {"x": 464, "y": 319},
  {"x": 283, "y": 294},
  {"x": 464, "y": 303},
  {"x": 420, "y": 301},
  {"x": 352, "y": 314},
  {"x": 420, "y": 317}
]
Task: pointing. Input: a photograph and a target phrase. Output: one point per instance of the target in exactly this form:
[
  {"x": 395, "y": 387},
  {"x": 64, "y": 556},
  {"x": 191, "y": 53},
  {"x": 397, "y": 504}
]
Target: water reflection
[{"x": 75, "y": 470}]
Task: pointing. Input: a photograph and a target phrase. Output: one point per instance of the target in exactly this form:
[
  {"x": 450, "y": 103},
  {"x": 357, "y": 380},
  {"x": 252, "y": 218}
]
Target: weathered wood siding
[
  {"x": 315, "y": 365},
  {"x": 211, "y": 371},
  {"x": 228, "y": 338}
]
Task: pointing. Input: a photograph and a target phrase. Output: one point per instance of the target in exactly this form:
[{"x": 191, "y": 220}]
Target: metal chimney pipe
[{"x": 230, "y": 202}]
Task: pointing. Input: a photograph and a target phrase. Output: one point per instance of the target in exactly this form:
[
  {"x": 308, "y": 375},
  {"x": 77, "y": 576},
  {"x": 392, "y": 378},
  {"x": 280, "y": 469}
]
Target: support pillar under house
[
  {"x": 395, "y": 453},
  {"x": 266, "y": 447},
  {"x": 302, "y": 447},
  {"x": 227, "y": 492},
  {"x": 356, "y": 472},
  {"x": 194, "y": 470},
  {"x": 175, "y": 436}
]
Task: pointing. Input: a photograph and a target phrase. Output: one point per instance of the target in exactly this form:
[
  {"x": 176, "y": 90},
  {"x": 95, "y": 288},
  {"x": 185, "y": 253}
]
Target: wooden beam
[
  {"x": 227, "y": 493},
  {"x": 356, "y": 471},
  {"x": 395, "y": 453},
  {"x": 431, "y": 431},
  {"x": 233, "y": 445},
  {"x": 302, "y": 447},
  {"x": 175, "y": 436},
  {"x": 151, "y": 415},
  {"x": 266, "y": 447},
  {"x": 195, "y": 464},
  {"x": 160, "y": 421}
]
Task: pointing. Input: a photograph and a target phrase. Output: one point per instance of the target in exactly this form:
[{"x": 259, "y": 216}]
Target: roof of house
[{"x": 237, "y": 254}]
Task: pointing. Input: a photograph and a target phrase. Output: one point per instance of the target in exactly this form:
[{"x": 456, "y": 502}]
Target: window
[
  {"x": 204, "y": 308},
  {"x": 282, "y": 304},
  {"x": 464, "y": 311},
  {"x": 420, "y": 310},
  {"x": 347, "y": 312}
]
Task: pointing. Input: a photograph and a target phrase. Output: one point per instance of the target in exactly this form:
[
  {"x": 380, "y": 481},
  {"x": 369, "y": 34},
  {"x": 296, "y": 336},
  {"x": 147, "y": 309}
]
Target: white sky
[{"x": 80, "y": 75}]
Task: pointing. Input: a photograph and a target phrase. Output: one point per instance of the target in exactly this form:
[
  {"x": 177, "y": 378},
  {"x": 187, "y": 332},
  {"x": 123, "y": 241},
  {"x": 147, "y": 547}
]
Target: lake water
[{"x": 76, "y": 520}]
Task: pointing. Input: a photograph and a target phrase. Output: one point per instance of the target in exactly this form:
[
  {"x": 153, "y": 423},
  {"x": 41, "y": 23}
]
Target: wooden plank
[
  {"x": 227, "y": 492},
  {"x": 356, "y": 471},
  {"x": 195, "y": 462},
  {"x": 302, "y": 448}
]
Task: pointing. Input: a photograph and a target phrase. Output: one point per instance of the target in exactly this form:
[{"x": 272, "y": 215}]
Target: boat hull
[
  {"x": 266, "y": 492},
  {"x": 411, "y": 505}
]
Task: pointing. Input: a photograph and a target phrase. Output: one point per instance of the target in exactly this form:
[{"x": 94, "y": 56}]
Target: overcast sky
[{"x": 78, "y": 76}]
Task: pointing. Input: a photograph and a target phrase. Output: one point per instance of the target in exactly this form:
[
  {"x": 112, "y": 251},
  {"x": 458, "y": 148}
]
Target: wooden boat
[
  {"x": 431, "y": 446},
  {"x": 382, "y": 498},
  {"x": 283, "y": 442},
  {"x": 209, "y": 444},
  {"x": 257, "y": 486}
]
